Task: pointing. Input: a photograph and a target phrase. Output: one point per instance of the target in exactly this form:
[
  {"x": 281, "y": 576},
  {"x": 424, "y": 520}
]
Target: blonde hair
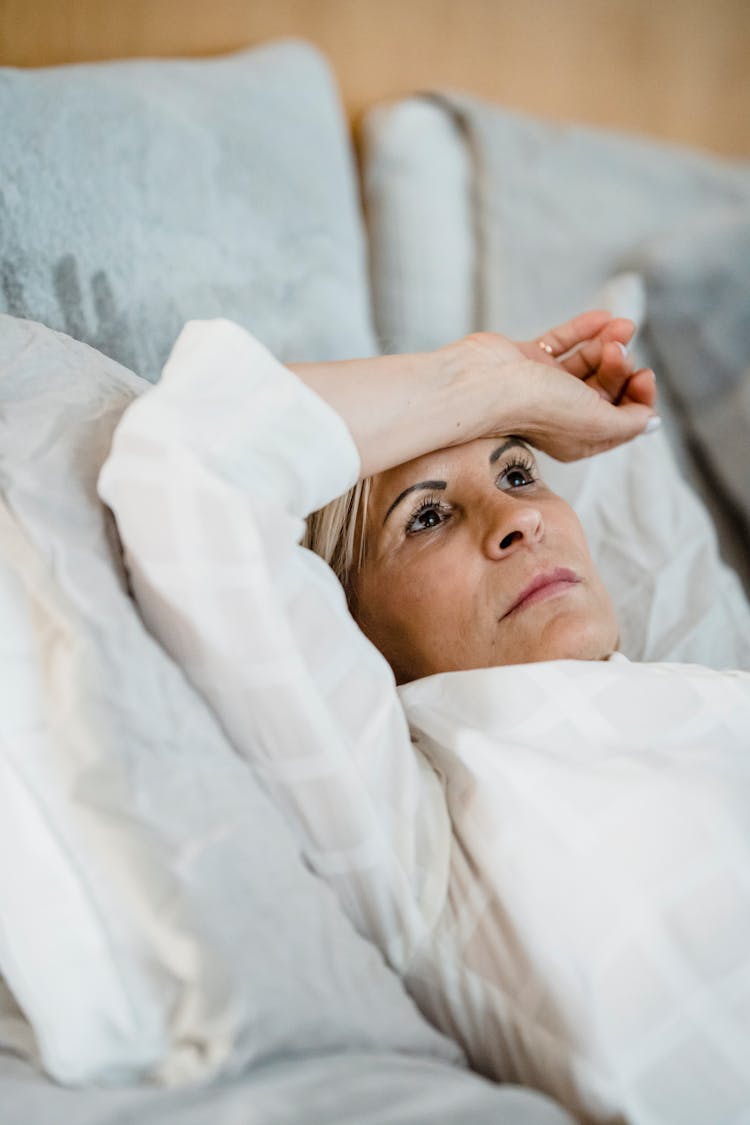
[{"x": 337, "y": 533}]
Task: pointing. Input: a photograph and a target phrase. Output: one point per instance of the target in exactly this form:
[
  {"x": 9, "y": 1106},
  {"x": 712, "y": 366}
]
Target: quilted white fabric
[
  {"x": 597, "y": 930},
  {"x": 556, "y": 858}
]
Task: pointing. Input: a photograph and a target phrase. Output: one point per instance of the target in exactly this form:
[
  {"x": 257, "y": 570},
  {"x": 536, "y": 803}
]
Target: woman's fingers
[
  {"x": 557, "y": 341},
  {"x": 595, "y": 359},
  {"x": 610, "y": 370},
  {"x": 607, "y": 368},
  {"x": 641, "y": 387},
  {"x": 620, "y": 328},
  {"x": 610, "y": 343},
  {"x": 592, "y": 344},
  {"x": 593, "y": 348},
  {"x": 616, "y": 381}
]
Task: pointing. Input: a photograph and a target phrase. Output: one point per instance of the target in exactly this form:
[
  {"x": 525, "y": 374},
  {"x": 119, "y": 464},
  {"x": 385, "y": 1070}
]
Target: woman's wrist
[
  {"x": 398, "y": 407},
  {"x": 495, "y": 387}
]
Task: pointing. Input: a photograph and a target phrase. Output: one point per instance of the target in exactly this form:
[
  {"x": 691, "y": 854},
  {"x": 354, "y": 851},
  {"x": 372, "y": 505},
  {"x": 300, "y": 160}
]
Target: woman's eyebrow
[
  {"x": 497, "y": 453},
  {"x": 413, "y": 488}
]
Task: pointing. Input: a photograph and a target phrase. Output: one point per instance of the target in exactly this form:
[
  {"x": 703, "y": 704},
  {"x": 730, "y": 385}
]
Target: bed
[{"x": 136, "y": 196}]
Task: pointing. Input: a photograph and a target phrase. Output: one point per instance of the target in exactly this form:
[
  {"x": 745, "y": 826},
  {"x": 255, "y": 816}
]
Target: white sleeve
[{"x": 210, "y": 476}]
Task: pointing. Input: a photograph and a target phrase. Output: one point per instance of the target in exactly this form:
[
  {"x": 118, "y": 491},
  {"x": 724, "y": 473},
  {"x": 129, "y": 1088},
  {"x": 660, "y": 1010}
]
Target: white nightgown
[{"x": 555, "y": 857}]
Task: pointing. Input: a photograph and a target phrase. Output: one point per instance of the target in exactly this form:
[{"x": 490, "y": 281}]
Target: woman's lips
[{"x": 548, "y": 584}]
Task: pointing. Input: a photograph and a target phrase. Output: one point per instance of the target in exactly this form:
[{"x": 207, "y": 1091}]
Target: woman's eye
[
  {"x": 424, "y": 519},
  {"x": 516, "y": 476}
]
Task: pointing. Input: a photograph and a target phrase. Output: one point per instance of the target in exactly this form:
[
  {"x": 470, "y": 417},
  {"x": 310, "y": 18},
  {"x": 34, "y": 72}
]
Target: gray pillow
[
  {"x": 156, "y": 921},
  {"x": 137, "y": 195},
  {"x": 698, "y": 284},
  {"x": 553, "y": 210}
]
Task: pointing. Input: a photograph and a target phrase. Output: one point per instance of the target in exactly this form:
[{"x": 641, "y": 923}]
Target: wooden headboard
[{"x": 675, "y": 69}]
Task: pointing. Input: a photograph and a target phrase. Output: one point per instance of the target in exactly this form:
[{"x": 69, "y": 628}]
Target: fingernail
[
  {"x": 622, "y": 347},
  {"x": 653, "y": 424}
]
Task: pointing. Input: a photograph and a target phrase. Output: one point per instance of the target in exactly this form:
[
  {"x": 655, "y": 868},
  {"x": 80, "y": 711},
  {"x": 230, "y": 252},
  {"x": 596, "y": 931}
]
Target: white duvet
[
  {"x": 596, "y": 936},
  {"x": 555, "y": 857}
]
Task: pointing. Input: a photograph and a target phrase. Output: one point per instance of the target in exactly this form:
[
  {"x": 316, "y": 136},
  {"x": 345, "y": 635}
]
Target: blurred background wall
[{"x": 674, "y": 69}]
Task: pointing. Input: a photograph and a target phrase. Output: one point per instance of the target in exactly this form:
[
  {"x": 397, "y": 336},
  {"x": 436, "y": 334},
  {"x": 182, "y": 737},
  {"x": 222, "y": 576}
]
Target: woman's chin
[{"x": 570, "y": 636}]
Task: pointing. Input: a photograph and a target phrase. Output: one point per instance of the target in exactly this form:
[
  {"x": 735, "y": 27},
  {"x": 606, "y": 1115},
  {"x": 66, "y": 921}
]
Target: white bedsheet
[{"x": 560, "y": 869}]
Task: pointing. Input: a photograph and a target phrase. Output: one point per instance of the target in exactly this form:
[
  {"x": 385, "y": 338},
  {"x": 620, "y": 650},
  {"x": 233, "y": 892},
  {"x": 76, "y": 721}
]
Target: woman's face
[{"x": 471, "y": 561}]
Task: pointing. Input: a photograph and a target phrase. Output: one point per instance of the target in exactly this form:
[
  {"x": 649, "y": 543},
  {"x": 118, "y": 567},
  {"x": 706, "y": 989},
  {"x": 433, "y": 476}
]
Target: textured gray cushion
[
  {"x": 135, "y": 196},
  {"x": 699, "y": 327},
  {"x": 555, "y": 209},
  {"x": 560, "y": 208}
]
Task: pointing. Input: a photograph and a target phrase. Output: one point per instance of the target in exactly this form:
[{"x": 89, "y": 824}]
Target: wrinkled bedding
[
  {"x": 157, "y": 923},
  {"x": 554, "y": 856},
  {"x": 346, "y": 1088},
  {"x": 600, "y": 867}
]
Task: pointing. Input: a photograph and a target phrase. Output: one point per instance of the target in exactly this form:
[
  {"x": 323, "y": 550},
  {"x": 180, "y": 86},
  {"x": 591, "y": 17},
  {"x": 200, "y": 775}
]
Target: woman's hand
[
  {"x": 572, "y": 404},
  {"x": 574, "y": 397},
  {"x": 593, "y": 347}
]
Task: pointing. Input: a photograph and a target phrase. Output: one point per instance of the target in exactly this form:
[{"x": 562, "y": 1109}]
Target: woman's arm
[
  {"x": 398, "y": 407},
  {"x": 210, "y": 475}
]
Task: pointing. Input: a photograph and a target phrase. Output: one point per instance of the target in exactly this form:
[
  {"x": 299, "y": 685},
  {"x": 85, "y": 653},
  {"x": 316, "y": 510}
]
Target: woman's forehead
[
  {"x": 452, "y": 459},
  {"x": 440, "y": 465}
]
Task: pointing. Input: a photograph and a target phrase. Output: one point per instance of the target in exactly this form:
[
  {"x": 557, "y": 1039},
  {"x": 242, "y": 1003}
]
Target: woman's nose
[{"x": 513, "y": 524}]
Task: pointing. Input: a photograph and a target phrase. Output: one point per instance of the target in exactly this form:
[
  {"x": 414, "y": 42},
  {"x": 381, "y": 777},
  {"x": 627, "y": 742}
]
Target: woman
[
  {"x": 410, "y": 588},
  {"x": 512, "y": 847}
]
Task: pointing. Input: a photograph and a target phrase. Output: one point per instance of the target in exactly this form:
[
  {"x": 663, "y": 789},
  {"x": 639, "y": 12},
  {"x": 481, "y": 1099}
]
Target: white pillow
[
  {"x": 156, "y": 921},
  {"x": 417, "y": 178}
]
